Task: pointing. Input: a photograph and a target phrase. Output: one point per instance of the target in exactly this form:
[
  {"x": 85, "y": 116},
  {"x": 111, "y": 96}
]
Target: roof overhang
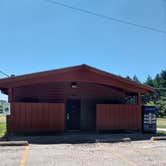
[{"x": 81, "y": 73}]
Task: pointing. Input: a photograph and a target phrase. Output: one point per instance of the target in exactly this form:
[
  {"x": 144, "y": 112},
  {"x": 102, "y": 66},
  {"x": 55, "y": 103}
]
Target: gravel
[{"x": 136, "y": 153}]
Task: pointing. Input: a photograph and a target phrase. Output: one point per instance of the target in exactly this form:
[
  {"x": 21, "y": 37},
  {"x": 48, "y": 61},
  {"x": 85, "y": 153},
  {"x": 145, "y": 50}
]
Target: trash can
[{"x": 149, "y": 119}]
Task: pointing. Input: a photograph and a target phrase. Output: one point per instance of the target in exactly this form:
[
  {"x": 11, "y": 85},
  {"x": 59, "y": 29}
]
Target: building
[{"x": 73, "y": 98}]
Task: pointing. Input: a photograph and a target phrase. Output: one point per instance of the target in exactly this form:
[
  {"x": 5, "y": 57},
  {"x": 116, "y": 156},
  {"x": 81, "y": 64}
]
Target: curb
[
  {"x": 14, "y": 143},
  {"x": 158, "y": 138},
  {"x": 113, "y": 140}
]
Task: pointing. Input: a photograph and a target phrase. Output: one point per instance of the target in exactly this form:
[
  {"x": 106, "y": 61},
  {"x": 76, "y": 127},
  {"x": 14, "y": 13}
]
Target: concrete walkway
[
  {"x": 83, "y": 137},
  {"x": 161, "y": 129}
]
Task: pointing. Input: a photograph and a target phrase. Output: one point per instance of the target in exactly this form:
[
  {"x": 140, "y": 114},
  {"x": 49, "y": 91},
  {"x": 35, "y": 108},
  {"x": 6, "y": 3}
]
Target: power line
[
  {"x": 105, "y": 17},
  {"x": 4, "y": 73}
]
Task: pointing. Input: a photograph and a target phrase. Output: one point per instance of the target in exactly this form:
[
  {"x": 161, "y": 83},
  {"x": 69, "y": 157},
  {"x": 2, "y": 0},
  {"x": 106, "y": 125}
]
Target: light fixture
[{"x": 74, "y": 85}]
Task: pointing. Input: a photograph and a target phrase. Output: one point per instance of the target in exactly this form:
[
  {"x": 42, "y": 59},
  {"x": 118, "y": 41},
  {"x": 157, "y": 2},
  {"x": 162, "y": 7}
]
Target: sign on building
[{"x": 6, "y": 108}]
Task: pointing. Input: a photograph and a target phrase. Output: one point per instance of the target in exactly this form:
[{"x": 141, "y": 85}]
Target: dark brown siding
[
  {"x": 58, "y": 92},
  {"x": 36, "y": 117},
  {"x": 118, "y": 117},
  {"x": 89, "y": 94}
]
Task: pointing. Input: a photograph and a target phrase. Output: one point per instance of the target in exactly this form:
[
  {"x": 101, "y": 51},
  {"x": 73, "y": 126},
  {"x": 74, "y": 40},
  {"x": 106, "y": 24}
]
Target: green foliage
[
  {"x": 135, "y": 78},
  {"x": 159, "y": 97},
  {"x": 2, "y": 126},
  {"x": 149, "y": 81},
  {"x": 161, "y": 122},
  {"x": 129, "y": 78},
  {"x": 151, "y": 103}
]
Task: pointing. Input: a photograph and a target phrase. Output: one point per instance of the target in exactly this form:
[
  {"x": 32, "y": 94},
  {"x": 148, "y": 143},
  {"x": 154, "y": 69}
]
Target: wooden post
[
  {"x": 139, "y": 99},
  {"x": 139, "y": 102},
  {"x": 10, "y": 95},
  {"x": 10, "y": 100}
]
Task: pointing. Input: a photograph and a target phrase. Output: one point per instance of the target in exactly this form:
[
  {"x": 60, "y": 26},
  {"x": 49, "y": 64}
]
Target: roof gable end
[{"x": 55, "y": 73}]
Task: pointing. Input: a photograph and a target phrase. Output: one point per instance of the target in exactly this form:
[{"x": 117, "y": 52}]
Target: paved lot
[
  {"x": 137, "y": 153},
  {"x": 11, "y": 155}
]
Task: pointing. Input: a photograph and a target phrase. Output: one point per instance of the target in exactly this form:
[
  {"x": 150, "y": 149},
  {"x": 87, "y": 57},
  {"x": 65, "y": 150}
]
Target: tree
[
  {"x": 129, "y": 78},
  {"x": 157, "y": 81},
  {"x": 163, "y": 78},
  {"x": 161, "y": 103},
  {"x": 135, "y": 78},
  {"x": 159, "y": 97},
  {"x": 149, "y": 81}
]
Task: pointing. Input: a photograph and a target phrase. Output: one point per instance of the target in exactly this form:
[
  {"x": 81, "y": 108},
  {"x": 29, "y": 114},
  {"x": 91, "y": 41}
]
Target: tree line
[{"x": 158, "y": 98}]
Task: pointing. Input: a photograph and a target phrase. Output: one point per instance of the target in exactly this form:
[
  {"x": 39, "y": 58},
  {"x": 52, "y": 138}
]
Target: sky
[{"x": 38, "y": 35}]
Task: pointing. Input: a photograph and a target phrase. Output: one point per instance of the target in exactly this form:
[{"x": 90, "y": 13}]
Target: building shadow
[{"x": 80, "y": 137}]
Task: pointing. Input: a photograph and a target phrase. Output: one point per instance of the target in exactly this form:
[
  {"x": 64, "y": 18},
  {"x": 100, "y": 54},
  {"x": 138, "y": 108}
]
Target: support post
[
  {"x": 139, "y": 102},
  {"x": 139, "y": 99},
  {"x": 10, "y": 95},
  {"x": 10, "y": 100}
]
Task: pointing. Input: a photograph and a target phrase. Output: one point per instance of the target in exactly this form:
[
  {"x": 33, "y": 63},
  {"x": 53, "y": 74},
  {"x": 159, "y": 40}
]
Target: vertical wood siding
[
  {"x": 36, "y": 117},
  {"x": 118, "y": 117},
  {"x": 58, "y": 92}
]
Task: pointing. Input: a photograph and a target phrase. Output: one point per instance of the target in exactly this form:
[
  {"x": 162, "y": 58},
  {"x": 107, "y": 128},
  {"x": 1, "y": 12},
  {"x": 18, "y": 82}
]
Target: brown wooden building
[{"x": 73, "y": 98}]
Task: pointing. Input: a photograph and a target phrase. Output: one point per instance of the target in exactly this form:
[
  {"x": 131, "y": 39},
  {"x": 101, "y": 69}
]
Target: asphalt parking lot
[{"x": 136, "y": 153}]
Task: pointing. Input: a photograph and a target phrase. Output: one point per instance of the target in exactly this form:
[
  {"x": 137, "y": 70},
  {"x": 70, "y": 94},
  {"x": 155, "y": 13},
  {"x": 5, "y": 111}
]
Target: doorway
[{"x": 73, "y": 108}]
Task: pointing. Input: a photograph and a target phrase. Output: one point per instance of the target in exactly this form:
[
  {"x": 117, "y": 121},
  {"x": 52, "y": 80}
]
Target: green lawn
[
  {"x": 2, "y": 125},
  {"x": 161, "y": 122},
  {"x": 161, "y": 132}
]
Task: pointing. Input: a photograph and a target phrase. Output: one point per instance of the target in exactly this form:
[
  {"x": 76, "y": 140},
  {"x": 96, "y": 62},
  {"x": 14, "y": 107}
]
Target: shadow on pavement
[{"x": 81, "y": 137}]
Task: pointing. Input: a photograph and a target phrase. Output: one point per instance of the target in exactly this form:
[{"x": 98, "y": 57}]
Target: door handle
[{"x": 68, "y": 117}]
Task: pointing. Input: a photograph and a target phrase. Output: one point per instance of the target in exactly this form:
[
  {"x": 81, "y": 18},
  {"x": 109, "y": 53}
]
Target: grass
[
  {"x": 161, "y": 132},
  {"x": 161, "y": 122},
  {"x": 2, "y": 125}
]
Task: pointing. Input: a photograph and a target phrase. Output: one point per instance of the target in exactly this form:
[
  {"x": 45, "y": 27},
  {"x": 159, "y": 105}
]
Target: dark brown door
[{"x": 73, "y": 114}]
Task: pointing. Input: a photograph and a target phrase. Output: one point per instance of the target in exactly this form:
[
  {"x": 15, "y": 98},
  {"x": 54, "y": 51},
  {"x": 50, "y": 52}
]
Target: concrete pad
[
  {"x": 13, "y": 143},
  {"x": 158, "y": 138},
  {"x": 113, "y": 140},
  {"x": 161, "y": 129}
]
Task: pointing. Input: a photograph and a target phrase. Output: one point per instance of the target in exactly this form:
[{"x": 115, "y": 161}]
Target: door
[{"x": 73, "y": 114}]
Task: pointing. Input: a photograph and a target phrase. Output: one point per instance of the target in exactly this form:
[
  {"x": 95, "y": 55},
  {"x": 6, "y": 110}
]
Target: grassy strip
[
  {"x": 2, "y": 126},
  {"x": 161, "y": 123},
  {"x": 161, "y": 132}
]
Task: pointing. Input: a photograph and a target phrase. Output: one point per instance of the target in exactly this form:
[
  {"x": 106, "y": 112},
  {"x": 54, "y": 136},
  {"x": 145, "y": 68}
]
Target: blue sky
[{"x": 37, "y": 35}]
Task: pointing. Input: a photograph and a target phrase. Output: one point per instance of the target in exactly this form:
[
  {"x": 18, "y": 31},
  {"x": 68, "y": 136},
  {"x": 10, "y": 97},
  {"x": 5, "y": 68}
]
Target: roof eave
[{"x": 7, "y": 82}]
